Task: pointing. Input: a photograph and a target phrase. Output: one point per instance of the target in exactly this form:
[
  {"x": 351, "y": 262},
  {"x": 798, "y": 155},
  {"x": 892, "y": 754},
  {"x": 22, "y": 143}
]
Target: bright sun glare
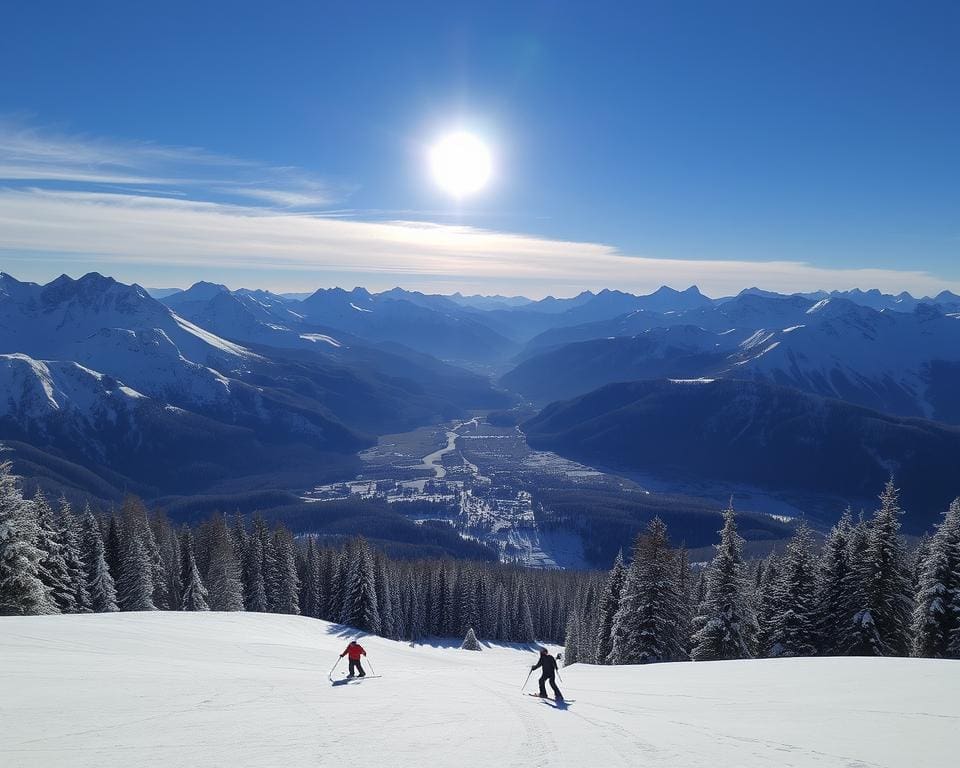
[{"x": 461, "y": 163}]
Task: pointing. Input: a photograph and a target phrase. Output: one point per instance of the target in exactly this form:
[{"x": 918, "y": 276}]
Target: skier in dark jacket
[
  {"x": 548, "y": 670},
  {"x": 354, "y": 651}
]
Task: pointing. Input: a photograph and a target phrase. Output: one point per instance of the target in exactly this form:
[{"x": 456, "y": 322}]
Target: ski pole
[
  {"x": 330, "y": 674},
  {"x": 371, "y": 666},
  {"x": 527, "y": 680}
]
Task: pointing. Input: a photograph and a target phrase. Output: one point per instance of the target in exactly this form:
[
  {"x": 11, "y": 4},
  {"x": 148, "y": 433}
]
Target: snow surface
[
  {"x": 214, "y": 689},
  {"x": 36, "y": 390}
]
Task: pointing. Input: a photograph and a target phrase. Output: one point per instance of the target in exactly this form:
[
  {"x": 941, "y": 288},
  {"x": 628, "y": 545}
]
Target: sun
[{"x": 461, "y": 163}]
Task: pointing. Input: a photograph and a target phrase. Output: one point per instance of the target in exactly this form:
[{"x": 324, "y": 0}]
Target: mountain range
[
  {"x": 102, "y": 376},
  {"x": 107, "y": 389},
  {"x": 765, "y": 435},
  {"x": 905, "y": 363}
]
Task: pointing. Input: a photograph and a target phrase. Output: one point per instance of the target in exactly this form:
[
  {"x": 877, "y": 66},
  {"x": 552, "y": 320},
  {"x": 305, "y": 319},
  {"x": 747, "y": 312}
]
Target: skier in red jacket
[{"x": 354, "y": 651}]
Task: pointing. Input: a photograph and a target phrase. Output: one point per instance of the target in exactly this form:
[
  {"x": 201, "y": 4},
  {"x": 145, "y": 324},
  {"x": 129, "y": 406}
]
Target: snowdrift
[{"x": 214, "y": 689}]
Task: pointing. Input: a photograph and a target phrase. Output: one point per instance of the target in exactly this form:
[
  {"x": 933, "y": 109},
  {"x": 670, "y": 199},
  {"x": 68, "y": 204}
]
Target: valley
[
  {"x": 491, "y": 486},
  {"x": 479, "y": 478}
]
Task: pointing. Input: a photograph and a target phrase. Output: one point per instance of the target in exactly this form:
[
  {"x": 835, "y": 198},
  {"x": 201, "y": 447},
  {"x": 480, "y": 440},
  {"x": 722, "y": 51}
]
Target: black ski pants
[
  {"x": 356, "y": 668},
  {"x": 544, "y": 679}
]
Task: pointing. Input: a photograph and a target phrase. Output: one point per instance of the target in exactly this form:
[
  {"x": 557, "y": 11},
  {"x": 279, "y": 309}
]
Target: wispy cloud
[
  {"x": 29, "y": 155},
  {"x": 141, "y": 206},
  {"x": 145, "y": 230}
]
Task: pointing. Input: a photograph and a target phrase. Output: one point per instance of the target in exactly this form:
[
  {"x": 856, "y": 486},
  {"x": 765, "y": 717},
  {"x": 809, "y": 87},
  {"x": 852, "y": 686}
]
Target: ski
[
  {"x": 551, "y": 700},
  {"x": 357, "y": 679}
]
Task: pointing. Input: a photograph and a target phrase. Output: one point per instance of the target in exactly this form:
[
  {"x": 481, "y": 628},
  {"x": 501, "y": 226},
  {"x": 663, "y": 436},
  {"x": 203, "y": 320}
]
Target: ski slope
[{"x": 216, "y": 689}]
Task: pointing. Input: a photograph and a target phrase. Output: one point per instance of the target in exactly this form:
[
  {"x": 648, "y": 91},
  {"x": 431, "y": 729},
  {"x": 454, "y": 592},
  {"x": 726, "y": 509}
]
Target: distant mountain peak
[
  {"x": 204, "y": 289},
  {"x": 93, "y": 289}
]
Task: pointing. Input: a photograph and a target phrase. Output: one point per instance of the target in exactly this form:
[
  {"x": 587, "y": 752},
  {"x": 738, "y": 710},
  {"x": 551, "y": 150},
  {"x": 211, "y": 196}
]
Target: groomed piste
[{"x": 216, "y": 689}]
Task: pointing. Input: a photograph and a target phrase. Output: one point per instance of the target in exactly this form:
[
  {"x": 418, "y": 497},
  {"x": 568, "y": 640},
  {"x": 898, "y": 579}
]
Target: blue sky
[{"x": 787, "y": 144}]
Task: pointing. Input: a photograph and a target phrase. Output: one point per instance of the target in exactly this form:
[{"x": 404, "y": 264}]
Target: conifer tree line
[
  {"x": 56, "y": 560},
  {"x": 860, "y": 594}
]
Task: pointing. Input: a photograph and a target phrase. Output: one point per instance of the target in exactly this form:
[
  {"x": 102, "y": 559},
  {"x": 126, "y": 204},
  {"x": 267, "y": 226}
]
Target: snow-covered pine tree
[
  {"x": 794, "y": 626},
  {"x": 700, "y": 590},
  {"x": 936, "y": 615},
  {"x": 269, "y": 567},
  {"x": 766, "y": 602},
  {"x": 884, "y": 617},
  {"x": 224, "y": 592},
  {"x": 360, "y": 609},
  {"x": 53, "y": 569},
  {"x": 238, "y": 535},
  {"x": 917, "y": 559},
  {"x": 470, "y": 642},
  {"x": 727, "y": 623},
  {"x": 396, "y": 607},
  {"x": 332, "y": 599},
  {"x": 588, "y": 630},
  {"x": 135, "y": 586},
  {"x": 573, "y": 639},
  {"x": 310, "y": 589},
  {"x": 465, "y": 600},
  {"x": 384, "y": 603},
  {"x": 608, "y": 607},
  {"x": 283, "y": 584},
  {"x": 168, "y": 547},
  {"x": 254, "y": 587},
  {"x": 416, "y": 614},
  {"x": 486, "y": 619},
  {"x": 833, "y": 598},
  {"x": 523, "y": 631},
  {"x": 100, "y": 583},
  {"x": 22, "y": 593},
  {"x": 685, "y": 588},
  {"x": 645, "y": 625},
  {"x": 541, "y": 607},
  {"x": 194, "y": 592},
  {"x": 502, "y": 613},
  {"x": 757, "y": 583},
  {"x": 158, "y": 570},
  {"x": 953, "y": 649},
  {"x": 557, "y": 627},
  {"x": 71, "y": 535},
  {"x": 441, "y": 595},
  {"x": 858, "y": 634},
  {"x": 113, "y": 544}
]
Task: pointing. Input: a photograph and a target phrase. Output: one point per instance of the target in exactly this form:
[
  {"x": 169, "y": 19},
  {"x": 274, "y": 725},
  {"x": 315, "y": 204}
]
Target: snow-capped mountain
[
  {"x": 902, "y": 363},
  {"x": 892, "y": 361},
  {"x": 94, "y": 367},
  {"x": 129, "y": 440},
  {"x": 120, "y": 331},
  {"x": 37, "y": 393},
  {"x": 754, "y": 432},
  {"x": 680, "y": 351},
  {"x": 747, "y": 312},
  {"x": 444, "y": 330},
  {"x": 262, "y": 306},
  {"x": 251, "y": 319},
  {"x": 51, "y": 321},
  {"x": 293, "y": 347}
]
